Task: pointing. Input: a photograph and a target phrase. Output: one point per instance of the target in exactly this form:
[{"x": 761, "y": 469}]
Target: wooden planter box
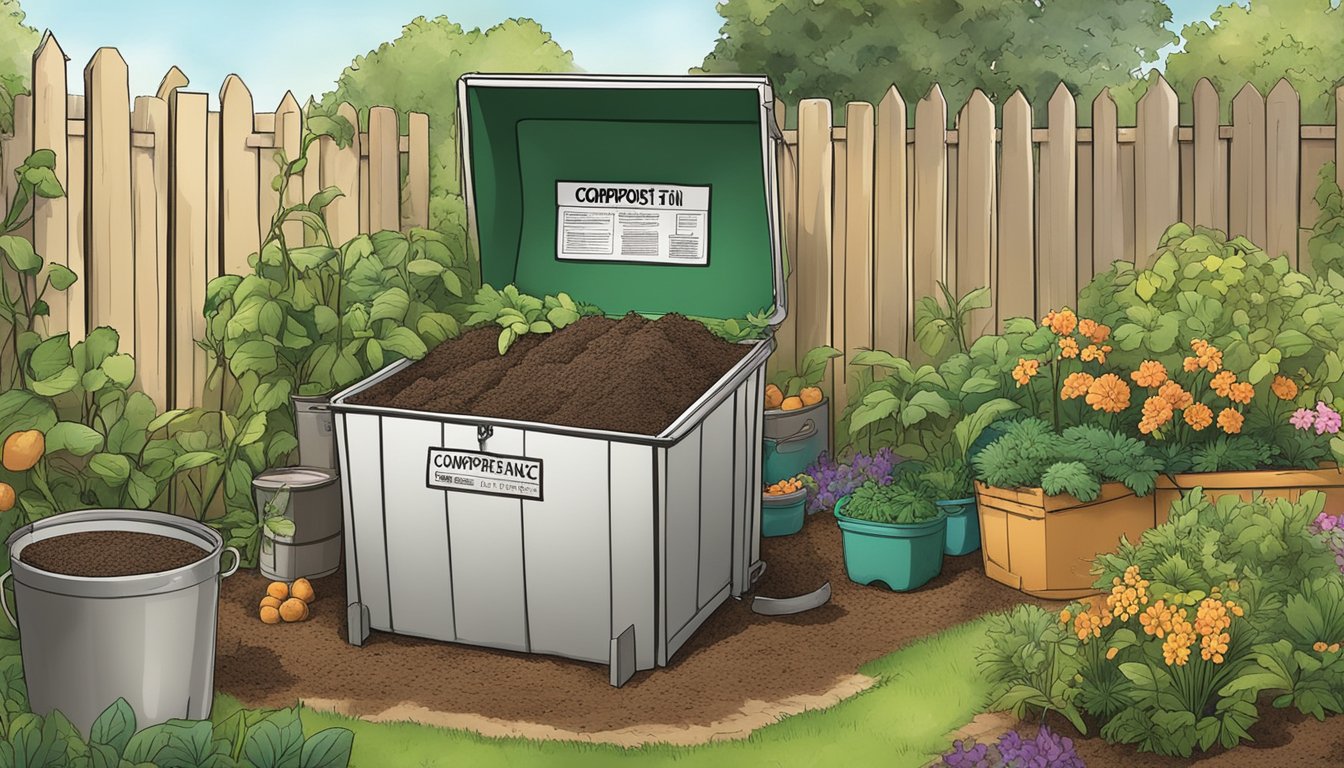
[
  {"x": 1044, "y": 545},
  {"x": 1275, "y": 484}
]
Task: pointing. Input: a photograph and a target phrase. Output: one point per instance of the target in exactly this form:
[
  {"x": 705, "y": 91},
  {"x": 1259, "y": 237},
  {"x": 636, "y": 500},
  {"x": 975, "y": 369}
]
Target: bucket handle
[
  {"x": 4, "y": 603},
  {"x": 804, "y": 432},
  {"x": 237, "y": 561}
]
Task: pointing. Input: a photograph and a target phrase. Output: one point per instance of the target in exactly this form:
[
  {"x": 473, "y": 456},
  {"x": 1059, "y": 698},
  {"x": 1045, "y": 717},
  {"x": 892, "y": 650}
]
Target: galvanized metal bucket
[
  {"x": 315, "y": 431},
  {"x": 794, "y": 439},
  {"x": 149, "y": 638},
  {"x": 314, "y": 550}
]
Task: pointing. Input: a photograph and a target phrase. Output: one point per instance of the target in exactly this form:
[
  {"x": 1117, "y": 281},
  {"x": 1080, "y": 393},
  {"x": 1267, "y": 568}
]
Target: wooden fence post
[
  {"x": 1108, "y": 218},
  {"x": 384, "y": 170},
  {"x": 108, "y": 244},
  {"x": 1157, "y": 170},
  {"x": 340, "y": 169},
  {"x": 1016, "y": 276},
  {"x": 1283, "y": 128},
  {"x": 858, "y": 287},
  {"x": 929, "y": 257},
  {"x": 1246, "y": 164},
  {"x": 149, "y": 200},
  {"x": 189, "y": 268},
  {"x": 416, "y": 212},
  {"x": 1210, "y": 180},
  {"x": 51, "y": 230},
  {"x": 288, "y": 135},
  {"x": 976, "y": 259},
  {"x": 1057, "y": 244},
  {"x": 238, "y": 177},
  {"x": 891, "y": 245},
  {"x": 813, "y": 260}
]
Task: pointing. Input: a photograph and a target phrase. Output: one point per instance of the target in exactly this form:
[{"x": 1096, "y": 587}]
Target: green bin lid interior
[{"x": 526, "y": 133}]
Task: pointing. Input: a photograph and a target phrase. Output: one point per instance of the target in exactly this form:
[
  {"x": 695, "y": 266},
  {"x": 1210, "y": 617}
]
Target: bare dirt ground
[{"x": 741, "y": 670}]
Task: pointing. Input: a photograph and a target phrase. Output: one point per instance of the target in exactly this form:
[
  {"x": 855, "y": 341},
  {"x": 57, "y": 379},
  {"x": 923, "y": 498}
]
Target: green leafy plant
[
  {"x": 1031, "y": 453},
  {"x": 756, "y": 325},
  {"x": 905, "y": 500},
  {"x": 949, "y": 477},
  {"x": 518, "y": 314},
  {"x": 1032, "y": 660},
  {"x": 810, "y": 371},
  {"x": 943, "y": 325}
]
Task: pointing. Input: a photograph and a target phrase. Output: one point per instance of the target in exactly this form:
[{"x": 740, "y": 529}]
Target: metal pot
[
  {"x": 315, "y": 431},
  {"x": 314, "y": 550}
]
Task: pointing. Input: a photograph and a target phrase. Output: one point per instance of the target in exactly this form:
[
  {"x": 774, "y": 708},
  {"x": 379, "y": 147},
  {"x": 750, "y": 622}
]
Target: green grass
[{"x": 925, "y": 691}]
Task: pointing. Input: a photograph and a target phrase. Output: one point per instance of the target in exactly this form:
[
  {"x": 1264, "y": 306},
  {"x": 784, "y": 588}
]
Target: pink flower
[
  {"x": 1326, "y": 521},
  {"x": 1303, "y": 418},
  {"x": 1327, "y": 419}
]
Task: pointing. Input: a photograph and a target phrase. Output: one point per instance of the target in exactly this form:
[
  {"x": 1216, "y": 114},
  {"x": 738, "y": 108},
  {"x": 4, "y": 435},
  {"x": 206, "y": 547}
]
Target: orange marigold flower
[
  {"x": 1094, "y": 331},
  {"x": 1222, "y": 383},
  {"x": 1230, "y": 421},
  {"x": 1319, "y": 647},
  {"x": 1175, "y": 394},
  {"x": 1108, "y": 393},
  {"x": 1064, "y": 616},
  {"x": 1075, "y": 385},
  {"x": 1191, "y": 365},
  {"x": 1068, "y": 347},
  {"x": 1198, "y": 345},
  {"x": 1049, "y": 319},
  {"x": 1241, "y": 392},
  {"x": 1211, "y": 359},
  {"x": 1025, "y": 370},
  {"x": 1094, "y": 352},
  {"x": 1198, "y": 416},
  {"x": 1062, "y": 322},
  {"x": 1284, "y": 388},
  {"x": 1151, "y": 373},
  {"x": 1156, "y": 412}
]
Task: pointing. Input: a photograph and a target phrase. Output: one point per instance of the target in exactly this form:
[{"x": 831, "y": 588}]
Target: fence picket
[
  {"x": 977, "y": 254},
  {"x": 1108, "y": 240},
  {"x": 858, "y": 297},
  {"x": 1016, "y": 276},
  {"x": 1246, "y": 165},
  {"x": 288, "y": 134},
  {"x": 384, "y": 170},
  {"x": 1210, "y": 181},
  {"x": 1282, "y": 128},
  {"x": 813, "y": 263},
  {"x": 108, "y": 240},
  {"x": 1057, "y": 254},
  {"x": 50, "y": 233},
  {"x": 149, "y": 175},
  {"x": 1156, "y": 169},
  {"x": 929, "y": 219},
  {"x": 190, "y": 270},
  {"x": 416, "y": 211},
  {"x": 340, "y": 169},
  {"x": 891, "y": 247},
  {"x": 238, "y": 166},
  {"x": 783, "y": 358}
]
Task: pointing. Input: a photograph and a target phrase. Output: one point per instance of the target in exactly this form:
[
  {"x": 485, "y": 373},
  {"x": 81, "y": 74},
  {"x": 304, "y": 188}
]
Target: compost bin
[{"x": 652, "y": 195}]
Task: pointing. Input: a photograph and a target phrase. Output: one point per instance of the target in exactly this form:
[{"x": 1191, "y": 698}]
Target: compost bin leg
[
  {"x": 357, "y": 623},
  {"x": 623, "y": 657}
]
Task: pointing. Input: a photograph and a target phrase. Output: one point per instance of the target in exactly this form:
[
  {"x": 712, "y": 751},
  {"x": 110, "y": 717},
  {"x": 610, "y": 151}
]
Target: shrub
[{"x": 1030, "y": 453}]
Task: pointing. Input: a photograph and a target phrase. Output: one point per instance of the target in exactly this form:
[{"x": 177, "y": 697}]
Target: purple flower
[
  {"x": 967, "y": 755},
  {"x": 1327, "y": 419},
  {"x": 833, "y": 481},
  {"x": 1303, "y": 418}
]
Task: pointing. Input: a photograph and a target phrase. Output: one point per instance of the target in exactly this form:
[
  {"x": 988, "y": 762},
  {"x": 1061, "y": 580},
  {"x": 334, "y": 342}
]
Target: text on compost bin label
[
  {"x": 646, "y": 223},
  {"x": 480, "y": 472}
]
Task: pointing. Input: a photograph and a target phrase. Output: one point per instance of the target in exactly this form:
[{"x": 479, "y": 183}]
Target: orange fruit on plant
[
  {"x": 791, "y": 403},
  {"x": 6, "y": 497},
  {"x": 773, "y": 396},
  {"x": 23, "y": 449},
  {"x": 810, "y": 395}
]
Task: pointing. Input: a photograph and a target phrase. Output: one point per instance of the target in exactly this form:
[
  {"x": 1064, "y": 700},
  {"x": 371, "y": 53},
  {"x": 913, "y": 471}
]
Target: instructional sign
[
  {"x": 492, "y": 474},
  {"x": 642, "y": 223}
]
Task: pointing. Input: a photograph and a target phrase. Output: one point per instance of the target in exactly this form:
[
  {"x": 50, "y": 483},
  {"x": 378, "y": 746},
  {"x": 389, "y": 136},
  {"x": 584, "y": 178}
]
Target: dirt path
[{"x": 739, "y": 664}]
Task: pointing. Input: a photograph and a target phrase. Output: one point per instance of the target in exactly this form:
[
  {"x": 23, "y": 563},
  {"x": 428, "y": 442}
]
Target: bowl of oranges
[{"x": 782, "y": 507}]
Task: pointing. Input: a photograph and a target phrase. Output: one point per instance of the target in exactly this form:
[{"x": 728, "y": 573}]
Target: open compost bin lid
[{"x": 644, "y": 194}]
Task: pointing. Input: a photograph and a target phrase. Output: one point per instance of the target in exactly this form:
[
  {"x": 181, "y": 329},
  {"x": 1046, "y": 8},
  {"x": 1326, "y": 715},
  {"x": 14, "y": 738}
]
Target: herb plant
[
  {"x": 1030, "y": 453},
  {"x": 905, "y": 500}
]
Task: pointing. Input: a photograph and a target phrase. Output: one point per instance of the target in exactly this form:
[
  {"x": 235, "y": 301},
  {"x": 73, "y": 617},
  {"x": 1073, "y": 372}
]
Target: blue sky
[{"x": 304, "y": 44}]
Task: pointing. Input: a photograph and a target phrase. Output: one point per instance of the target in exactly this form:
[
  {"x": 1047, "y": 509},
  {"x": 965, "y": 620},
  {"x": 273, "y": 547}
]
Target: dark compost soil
[
  {"x": 630, "y": 375},
  {"x": 735, "y": 657},
  {"x": 110, "y": 553}
]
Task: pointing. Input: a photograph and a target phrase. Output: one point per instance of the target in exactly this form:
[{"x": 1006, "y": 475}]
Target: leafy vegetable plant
[
  {"x": 1030, "y": 453},
  {"x": 518, "y": 314},
  {"x": 810, "y": 372},
  {"x": 905, "y": 500}
]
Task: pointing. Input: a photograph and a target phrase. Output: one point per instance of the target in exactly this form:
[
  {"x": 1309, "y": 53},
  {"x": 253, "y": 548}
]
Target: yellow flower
[
  {"x": 1176, "y": 649},
  {"x": 1198, "y": 416},
  {"x": 1222, "y": 383},
  {"x": 1068, "y": 347},
  {"x": 1334, "y": 648},
  {"x": 1156, "y": 413},
  {"x": 1230, "y": 421},
  {"x": 1062, "y": 322},
  {"x": 1064, "y": 616},
  {"x": 1156, "y": 620},
  {"x": 1093, "y": 352},
  {"x": 1110, "y": 653},
  {"x": 1241, "y": 392},
  {"x": 1151, "y": 373},
  {"x": 1108, "y": 393},
  {"x": 1094, "y": 331},
  {"x": 1025, "y": 370},
  {"x": 1075, "y": 385},
  {"x": 1175, "y": 394},
  {"x": 1284, "y": 388}
]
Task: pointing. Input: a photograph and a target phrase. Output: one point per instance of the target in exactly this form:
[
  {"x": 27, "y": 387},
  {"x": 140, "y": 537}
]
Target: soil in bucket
[
  {"x": 102, "y": 554},
  {"x": 631, "y": 374}
]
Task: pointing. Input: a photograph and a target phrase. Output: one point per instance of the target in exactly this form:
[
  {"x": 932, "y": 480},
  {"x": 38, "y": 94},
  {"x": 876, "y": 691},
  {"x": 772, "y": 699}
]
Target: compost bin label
[
  {"x": 642, "y": 223},
  {"x": 493, "y": 474}
]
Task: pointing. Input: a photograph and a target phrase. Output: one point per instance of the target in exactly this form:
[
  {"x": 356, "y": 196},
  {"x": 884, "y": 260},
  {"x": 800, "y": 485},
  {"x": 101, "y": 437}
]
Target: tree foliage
[
  {"x": 418, "y": 72},
  {"x": 1261, "y": 43},
  {"x": 850, "y": 50},
  {"x": 17, "y": 43}
]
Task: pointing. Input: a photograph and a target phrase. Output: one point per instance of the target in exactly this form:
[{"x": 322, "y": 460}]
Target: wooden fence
[
  {"x": 878, "y": 211},
  {"x": 163, "y": 194}
]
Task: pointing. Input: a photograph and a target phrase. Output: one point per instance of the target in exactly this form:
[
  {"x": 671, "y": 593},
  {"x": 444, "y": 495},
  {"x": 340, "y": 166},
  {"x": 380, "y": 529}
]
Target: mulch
[{"x": 736, "y": 656}]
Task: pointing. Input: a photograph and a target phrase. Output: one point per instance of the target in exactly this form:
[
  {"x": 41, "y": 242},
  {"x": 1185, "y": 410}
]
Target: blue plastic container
[
  {"x": 793, "y": 440},
  {"x": 783, "y": 515},
  {"x": 963, "y": 526},
  {"x": 903, "y": 557}
]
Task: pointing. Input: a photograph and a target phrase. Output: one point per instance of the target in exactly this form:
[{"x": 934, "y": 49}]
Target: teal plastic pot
[
  {"x": 793, "y": 440},
  {"x": 903, "y": 557},
  {"x": 783, "y": 515},
  {"x": 963, "y": 526}
]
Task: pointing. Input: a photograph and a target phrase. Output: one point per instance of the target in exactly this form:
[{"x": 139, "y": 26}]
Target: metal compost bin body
[
  {"x": 633, "y": 543},
  {"x": 148, "y": 638}
]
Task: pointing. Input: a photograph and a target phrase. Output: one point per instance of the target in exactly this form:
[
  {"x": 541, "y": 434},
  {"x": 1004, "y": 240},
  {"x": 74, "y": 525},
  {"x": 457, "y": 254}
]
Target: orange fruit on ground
[
  {"x": 6, "y": 497},
  {"x": 303, "y": 590},
  {"x": 293, "y": 609},
  {"x": 23, "y": 449},
  {"x": 791, "y": 404},
  {"x": 773, "y": 396},
  {"x": 270, "y": 615},
  {"x": 810, "y": 395},
  {"x": 278, "y": 589},
  {"x": 273, "y": 602}
]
